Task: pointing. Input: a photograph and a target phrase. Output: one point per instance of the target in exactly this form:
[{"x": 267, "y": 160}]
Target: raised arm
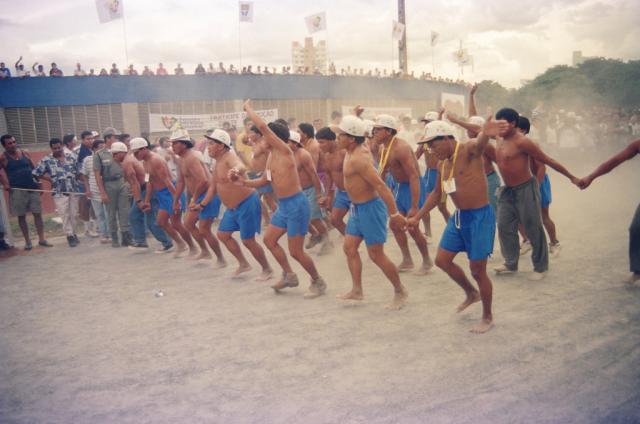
[
  {"x": 490, "y": 129},
  {"x": 627, "y": 153},
  {"x": 535, "y": 152},
  {"x": 473, "y": 111},
  {"x": 270, "y": 137}
]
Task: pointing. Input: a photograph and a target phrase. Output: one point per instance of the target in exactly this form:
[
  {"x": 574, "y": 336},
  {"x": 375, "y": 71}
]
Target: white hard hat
[
  {"x": 295, "y": 137},
  {"x": 386, "y": 121},
  {"x": 476, "y": 120},
  {"x": 430, "y": 116},
  {"x": 353, "y": 126},
  {"x": 180, "y": 135},
  {"x": 437, "y": 129},
  {"x": 118, "y": 147},
  {"x": 220, "y": 136},
  {"x": 138, "y": 143}
]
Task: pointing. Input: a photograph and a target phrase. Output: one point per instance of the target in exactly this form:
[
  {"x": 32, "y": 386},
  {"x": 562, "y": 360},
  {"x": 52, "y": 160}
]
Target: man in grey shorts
[
  {"x": 18, "y": 165},
  {"x": 519, "y": 199}
]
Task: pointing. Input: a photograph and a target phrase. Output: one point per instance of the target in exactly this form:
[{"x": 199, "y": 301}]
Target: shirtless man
[
  {"x": 195, "y": 177},
  {"x": 318, "y": 228},
  {"x": 338, "y": 197},
  {"x": 162, "y": 184},
  {"x": 258, "y": 165},
  {"x": 292, "y": 215},
  {"x": 397, "y": 158},
  {"x": 634, "y": 230},
  {"x": 519, "y": 200},
  {"x": 242, "y": 203},
  {"x": 312, "y": 189},
  {"x": 472, "y": 227},
  {"x": 431, "y": 176},
  {"x": 368, "y": 218},
  {"x": 539, "y": 170}
]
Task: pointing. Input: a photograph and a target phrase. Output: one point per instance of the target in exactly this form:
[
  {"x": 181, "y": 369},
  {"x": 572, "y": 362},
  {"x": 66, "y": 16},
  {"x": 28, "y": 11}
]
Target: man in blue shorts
[
  {"x": 368, "y": 217},
  {"x": 243, "y": 205},
  {"x": 292, "y": 216},
  {"x": 168, "y": 218},
  {"x": 472, "y": 226}
]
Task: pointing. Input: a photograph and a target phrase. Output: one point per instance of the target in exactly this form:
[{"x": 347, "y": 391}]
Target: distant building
[
  {"x": 579, "y": 59},
  {"x": 309, "y": 56}
]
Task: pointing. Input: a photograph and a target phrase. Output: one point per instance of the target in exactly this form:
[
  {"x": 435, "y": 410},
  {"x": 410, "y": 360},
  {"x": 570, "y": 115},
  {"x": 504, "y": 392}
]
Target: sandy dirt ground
[{"x": 83, "y": 338}]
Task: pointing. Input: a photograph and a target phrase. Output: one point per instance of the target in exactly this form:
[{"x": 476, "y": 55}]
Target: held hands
[
  {"x": 412, "y": 222},
  {"x": 104, "y": 198},
  {"x": 584, "y": 182},
  {"x": 412, "y": 212},
  {"x": 145, "y": 207},
  {"x": 398, "y": 223}
]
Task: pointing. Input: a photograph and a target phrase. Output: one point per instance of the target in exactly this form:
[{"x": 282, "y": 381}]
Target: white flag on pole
[
  {"x": 109, "y": 10},
  {"x": 316, "y": 22},
  {"x": 246, "y": 11},
  {"x": 434, "y": 38},
  {"x": 397, "y": 30}
]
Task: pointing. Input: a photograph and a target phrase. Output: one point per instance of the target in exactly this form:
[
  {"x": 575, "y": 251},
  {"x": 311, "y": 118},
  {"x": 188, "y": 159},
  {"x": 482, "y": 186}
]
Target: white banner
[
  {"x": 317, "y": 22},
  {"x": 372, "y": 112},
  {"x": 397, "y": 30},
  {"x": 109, "y": 10},
  {"x": 160, "y": 122},
  {"x": 246, "y": 11}
]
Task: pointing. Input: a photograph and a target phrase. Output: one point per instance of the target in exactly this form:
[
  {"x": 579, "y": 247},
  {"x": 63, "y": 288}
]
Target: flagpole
[
  {"x": 239, "y": 45},
  {"x": 126, "y": 46}
]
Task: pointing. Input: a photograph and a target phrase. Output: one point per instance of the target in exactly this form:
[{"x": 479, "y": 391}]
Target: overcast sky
[{"x": 509, "y": 41}]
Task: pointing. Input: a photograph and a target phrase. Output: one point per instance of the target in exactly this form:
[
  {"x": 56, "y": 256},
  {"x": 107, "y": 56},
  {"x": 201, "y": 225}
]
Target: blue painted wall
[{"x": 66, "y": 91}]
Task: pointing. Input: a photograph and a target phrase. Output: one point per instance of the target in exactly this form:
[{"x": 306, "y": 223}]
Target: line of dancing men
[{"x": 357, "y": 167}]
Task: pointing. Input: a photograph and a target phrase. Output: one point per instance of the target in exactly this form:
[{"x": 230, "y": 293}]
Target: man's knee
[
  {"x": 250, "y": 243},
  {"x": 442, "y": 262},
  {"x": 477, "y": 270},
  {"x": 349, "y": 249},
  {"x": 223, "y": 236}
]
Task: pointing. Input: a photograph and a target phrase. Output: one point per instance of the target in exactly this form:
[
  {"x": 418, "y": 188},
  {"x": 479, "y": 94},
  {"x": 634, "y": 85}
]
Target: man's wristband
[{"x": 393, "y": 215}]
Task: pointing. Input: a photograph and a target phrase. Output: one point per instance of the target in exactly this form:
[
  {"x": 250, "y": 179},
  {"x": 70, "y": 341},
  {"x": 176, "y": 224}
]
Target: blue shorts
[
  {"x": 212, "y": 210},
  {"x": 430, "y": 178},
  {"x": 314, "y": 208},
  {"x": 472, "y": 231},
  {"x": 244, "y": 217},
  {"x": 402, "y": 194},
  {"x": 262, "y": 189},
  {"x": 368, "y": 221},
  {"x": 165, "y": 201},
  {"x": 493, "y": 183},
  {"x": 390, "y": 181},
  {"x": 341, "y": 200},
  {"x": 292, "y": 214},
  {"x": 545, "y": 192}
]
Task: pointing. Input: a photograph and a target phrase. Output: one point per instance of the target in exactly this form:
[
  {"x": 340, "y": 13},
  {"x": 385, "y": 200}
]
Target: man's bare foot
[
  {"x": 202, "y": 256},
  {"x": 484, "y": 326},
  {"x": 242, "y": 268},
  {"x": 266, "y": 275},
  {"x": 633, "y": 278},
  {"x": 352, "y": 295},
  {"x": 221, "y": 263},
  {"x": 180, "y": 249},
  {"x": 193, "y": 253},
  {"x": 399, "y": 300},
  {"x": 405, "y": 266},
  {"x": 471, "y": 299},
  {"x": 426, "y": 268}
]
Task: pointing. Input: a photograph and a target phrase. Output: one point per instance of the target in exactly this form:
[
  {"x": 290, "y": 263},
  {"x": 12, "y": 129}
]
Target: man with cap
[
  {"x": 120, "y": 199},
  {"x": 334, "y": 160},
  {"x": 472, "y": 226},
  {"x": 162, "y": 186},
  {"x": 519, "y": 200},
  {"x": 368, "y": 217},
  {"x": 430, "y": 175},
  {"x": 242, "y": 205},
  {"x": 139, "y": 220},
  {"x": 292, "y": 215},
  {"x": 397, "y": 159},
  {"x": 312, "y": 189},
  {"x": 114, "y": 191},
  {"x": 194, "y": 175}
]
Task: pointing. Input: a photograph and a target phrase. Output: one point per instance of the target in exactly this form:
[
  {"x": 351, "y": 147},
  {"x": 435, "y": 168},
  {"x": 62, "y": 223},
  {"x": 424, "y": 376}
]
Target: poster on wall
[
  {"x": 163, "y": 122},
  {"x": 453, "y": 103}
]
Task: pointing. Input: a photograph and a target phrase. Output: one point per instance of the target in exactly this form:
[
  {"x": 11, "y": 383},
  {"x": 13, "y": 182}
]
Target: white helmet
[
  {"x": 295, "y": 137},
  {"x": 476, "y": 120},
  {"x": 138, "y": 143},
  {"x": 220, "y": 136},
  {"x": 386, "y": 121},
  {"x": 437, "y": 129},
  {"x": 118, "y": 147},
  {"x": 353, "y": 126},
  {"x": 430, "y": 116}
]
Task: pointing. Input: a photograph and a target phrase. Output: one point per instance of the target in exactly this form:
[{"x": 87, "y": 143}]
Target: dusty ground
[{"x": 83, "y": 339}]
